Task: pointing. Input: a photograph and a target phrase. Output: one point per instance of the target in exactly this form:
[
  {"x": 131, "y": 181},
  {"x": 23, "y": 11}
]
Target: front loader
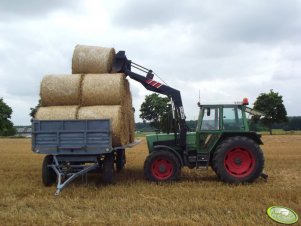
[{"x": 222, "y": 139}]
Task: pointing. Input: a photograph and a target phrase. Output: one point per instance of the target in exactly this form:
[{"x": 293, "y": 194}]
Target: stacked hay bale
[
  {"x": 60, "y": 97},
  {"x": 91, "y": 92},
  {"x": 107, "y": 96}
]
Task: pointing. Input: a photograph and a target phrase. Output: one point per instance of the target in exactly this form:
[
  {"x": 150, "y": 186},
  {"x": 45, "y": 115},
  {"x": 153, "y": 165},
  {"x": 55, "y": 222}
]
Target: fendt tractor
[
  {"x": 222, "y": 141},
  {"x": 222, "y": 138}
]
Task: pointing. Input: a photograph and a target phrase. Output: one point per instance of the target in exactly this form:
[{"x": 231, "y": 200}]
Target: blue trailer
[{"x": 75, "y": 147}]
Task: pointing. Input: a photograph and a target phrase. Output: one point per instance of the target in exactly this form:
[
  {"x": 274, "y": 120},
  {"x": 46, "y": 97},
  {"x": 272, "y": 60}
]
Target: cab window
[
  {"x": 210, "y": 119},
  {"x": 232, "y": 119}
]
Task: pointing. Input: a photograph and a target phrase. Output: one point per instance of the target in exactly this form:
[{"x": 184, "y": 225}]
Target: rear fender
[
  {"x": 169, "y": 149},
  {"x": 252, "y": 135}
]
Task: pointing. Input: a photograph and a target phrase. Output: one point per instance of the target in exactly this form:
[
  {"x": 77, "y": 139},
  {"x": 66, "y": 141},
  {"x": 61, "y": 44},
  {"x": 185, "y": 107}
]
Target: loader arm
[{"x": 123, "y": 65}]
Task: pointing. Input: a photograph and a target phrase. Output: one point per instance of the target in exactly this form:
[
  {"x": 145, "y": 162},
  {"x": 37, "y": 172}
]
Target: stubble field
[{"x": 197, "y": 199}]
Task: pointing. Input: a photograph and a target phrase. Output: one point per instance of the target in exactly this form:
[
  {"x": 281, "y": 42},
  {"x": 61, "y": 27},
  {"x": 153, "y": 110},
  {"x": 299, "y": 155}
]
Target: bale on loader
[
  {"x": 92, "y": 59},
  {"x": 59, "y": 90},
  {"x": 115, "y": 113},
  {"x": 57, "y": 113}
]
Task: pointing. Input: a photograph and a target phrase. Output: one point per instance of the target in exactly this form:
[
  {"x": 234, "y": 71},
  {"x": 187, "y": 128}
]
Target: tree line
[
  {"x": 293, "y": 123},
  {"x": 156, "y": 114},
  {"x": 6, "y": 125}
]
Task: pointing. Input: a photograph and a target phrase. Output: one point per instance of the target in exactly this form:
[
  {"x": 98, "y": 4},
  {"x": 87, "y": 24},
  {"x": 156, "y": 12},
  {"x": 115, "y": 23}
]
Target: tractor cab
[{"x": 220, "y": 120}]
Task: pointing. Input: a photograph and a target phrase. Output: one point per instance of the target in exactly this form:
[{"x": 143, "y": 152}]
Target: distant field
[
  {"x": 197, "y": 199},
  {"x": 283, "y": 132},
  {"x": 143, "y": 134}
]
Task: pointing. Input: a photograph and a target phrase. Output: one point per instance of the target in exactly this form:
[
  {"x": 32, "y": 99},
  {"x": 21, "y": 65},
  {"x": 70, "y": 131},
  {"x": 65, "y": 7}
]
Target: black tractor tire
[
  {"x": 120, "y": 160},
  {"x": 108, "y": 169},
  {"x": 238, "y": 160},
  {"x": 48, "y": 174},
  {"x": 212, "y": 167},
  {"x": 162, "y": 166}
]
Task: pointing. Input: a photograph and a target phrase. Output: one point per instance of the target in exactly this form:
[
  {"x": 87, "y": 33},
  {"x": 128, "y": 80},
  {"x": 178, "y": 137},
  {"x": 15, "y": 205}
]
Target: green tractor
[{"x": 222, "y": 140}]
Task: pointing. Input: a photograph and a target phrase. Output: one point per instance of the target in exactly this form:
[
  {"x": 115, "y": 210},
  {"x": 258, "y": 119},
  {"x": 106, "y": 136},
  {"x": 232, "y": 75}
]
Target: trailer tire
[
  {"x": 238, "y": 160},
  {"x": 162, "y": 166},
  {"x": 120, "y": 160},
  {"x": 48, "y": 174},
  {"x": 108, "y": 169}
]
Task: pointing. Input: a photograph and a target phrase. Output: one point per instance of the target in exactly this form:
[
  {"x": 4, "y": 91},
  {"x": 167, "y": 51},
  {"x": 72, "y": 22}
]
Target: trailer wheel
[
  {"x": 238, "y": 160},
  {"x": 108, "y": 169},
  {"x": 48, "y": 174},
  {"x": 120, "y": 160},
  {"x": 162, "y": 166}
]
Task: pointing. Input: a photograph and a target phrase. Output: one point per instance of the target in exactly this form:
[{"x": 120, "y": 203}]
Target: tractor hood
[{"x": 190, "y": 140}]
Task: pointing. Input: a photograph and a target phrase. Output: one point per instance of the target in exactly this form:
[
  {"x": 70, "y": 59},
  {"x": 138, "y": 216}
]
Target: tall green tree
[
  {"x": 156, "y": 110},
  {"x": 6, "y": 126},
  {"x": 271, "y": 104}
]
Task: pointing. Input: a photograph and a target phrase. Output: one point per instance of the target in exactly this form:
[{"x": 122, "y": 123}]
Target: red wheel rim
[
  {"x": 239, "y": 162},
  {"x": 162, "y": 168}
]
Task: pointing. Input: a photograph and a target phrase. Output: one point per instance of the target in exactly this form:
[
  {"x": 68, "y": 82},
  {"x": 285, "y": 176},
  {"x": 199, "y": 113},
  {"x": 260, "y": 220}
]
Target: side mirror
[{"x": 208, "y": 111}]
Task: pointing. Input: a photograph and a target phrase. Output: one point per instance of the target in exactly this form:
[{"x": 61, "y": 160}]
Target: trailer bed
[
  {"x": 75, "y": 147},
  {"x": 71, "y": 137}
]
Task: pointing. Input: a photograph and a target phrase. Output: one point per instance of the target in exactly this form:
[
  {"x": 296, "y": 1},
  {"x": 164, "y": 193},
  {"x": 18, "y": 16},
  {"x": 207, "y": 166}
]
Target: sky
[{"x": 220, "y": 51}]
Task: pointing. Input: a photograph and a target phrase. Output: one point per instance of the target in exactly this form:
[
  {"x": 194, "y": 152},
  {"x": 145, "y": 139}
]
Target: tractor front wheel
[
  {"x": 238, "y": 160},
  {"x": 162, "y": 166}
]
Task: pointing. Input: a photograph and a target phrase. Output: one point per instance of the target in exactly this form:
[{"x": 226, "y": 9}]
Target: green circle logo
[{"x": 282, "y": 215}]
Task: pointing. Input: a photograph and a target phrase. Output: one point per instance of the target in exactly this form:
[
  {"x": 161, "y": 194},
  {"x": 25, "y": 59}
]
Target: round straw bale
[
  {"x": 56, "y": 113},
  {"x": 58, "y": 90},
  {"x": 103, "y": 89},
  {"x": 92, "y": 59},
  {"x": 132, "y": 129},
  {"x": 120, "y": 135},
  {"x": 129, "y": 112}
]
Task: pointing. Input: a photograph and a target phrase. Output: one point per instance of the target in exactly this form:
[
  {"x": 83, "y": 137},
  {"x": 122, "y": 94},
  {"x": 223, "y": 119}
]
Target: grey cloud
[
  {"x": 264, "y": 21},
  {"x": 142, "y": 14},
  {"x": 15, "y": 9},
  {"x": 252, "y": 44},
  {"x": 24, "y": 60},
  {"x": 231, "y": 21}
]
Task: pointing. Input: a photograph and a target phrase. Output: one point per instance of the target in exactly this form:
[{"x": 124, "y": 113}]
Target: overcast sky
[{"x": 226, "y": 50}]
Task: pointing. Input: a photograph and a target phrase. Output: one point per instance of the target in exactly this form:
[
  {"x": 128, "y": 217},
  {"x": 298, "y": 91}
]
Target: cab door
[
  {"x": 208, "y": 131},
  {"x": 233, "y": 119}
]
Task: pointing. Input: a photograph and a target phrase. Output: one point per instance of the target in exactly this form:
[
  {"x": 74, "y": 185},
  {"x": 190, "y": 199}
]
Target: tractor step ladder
[{"x": 202, "y": 161}]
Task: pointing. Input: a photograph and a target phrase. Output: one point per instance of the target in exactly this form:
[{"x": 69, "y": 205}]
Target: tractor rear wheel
[
  {"x": 48, "y": 174},
  {"x": 212, "y": 167},
  {"x": 162, "y": 166},
  {"x": 238, "y": 160}
]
